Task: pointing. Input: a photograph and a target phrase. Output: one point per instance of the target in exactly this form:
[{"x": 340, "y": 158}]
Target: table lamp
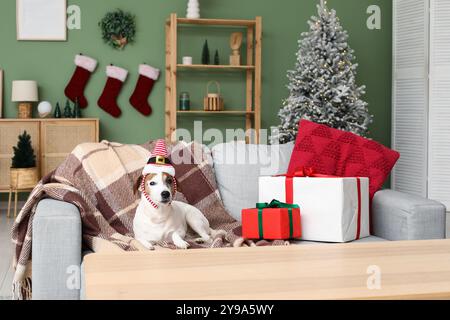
[{"x": 24, "y": 92}]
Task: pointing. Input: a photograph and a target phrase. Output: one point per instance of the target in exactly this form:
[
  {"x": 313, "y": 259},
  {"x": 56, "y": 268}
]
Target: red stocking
[
  {"x": 139, "y": 99},
  {"x": 75, "y": 88},
  {"x": 108, "y": 99}
]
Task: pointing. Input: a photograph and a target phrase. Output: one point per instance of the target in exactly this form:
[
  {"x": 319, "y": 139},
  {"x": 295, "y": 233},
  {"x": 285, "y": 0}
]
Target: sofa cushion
[
  {"x": 238, "y": 166},
  {"x": 341, "y": 153}
]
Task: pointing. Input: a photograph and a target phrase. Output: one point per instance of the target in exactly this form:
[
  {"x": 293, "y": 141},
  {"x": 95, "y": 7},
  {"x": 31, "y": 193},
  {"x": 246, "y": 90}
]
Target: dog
[{"x": 158, "y": 217}]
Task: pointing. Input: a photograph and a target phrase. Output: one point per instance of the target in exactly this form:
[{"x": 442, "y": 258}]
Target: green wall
[{"x": 51, "y": 63}]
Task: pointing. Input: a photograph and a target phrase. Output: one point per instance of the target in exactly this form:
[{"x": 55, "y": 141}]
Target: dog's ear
[
  {"x": 176, "y": 184},
  {"x": 137, "y": 184}
]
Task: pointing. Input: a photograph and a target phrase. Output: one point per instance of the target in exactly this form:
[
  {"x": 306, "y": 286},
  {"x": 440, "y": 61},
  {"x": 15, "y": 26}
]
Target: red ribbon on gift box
[{"x": 304, "y": 172}]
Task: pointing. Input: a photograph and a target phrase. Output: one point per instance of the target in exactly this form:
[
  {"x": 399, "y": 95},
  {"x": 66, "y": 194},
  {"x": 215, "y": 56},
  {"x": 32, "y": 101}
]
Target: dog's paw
[
  {"x": 181, "y": 244},
  {"x": 147, "y": 244},
  {"x": 202, "y": 240},
  {"x": 218, "y": 233}
]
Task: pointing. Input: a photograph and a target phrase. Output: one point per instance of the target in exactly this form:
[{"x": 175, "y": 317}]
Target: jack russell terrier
[{"x": 158, "y": 217}]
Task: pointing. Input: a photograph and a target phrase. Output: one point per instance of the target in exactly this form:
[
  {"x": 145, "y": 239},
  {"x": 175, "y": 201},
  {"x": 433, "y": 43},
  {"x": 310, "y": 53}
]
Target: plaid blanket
[{"x": 99, "y": 179}]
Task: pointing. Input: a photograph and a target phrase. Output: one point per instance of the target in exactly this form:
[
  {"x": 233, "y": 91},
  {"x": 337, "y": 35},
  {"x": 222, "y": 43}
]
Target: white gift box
[{"x": 331, "y": 209}]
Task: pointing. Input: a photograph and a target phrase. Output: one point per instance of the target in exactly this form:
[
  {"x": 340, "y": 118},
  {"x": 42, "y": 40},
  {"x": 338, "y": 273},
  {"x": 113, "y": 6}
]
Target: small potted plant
[{"x": 24, "y": 173}]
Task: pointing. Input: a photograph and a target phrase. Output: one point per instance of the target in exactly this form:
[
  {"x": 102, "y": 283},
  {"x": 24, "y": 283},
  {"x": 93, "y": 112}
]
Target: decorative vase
[
  {"x": 24, "y": 178},
  {"x": 193, "y": 9},
  {"x": 25, "y": 110}
]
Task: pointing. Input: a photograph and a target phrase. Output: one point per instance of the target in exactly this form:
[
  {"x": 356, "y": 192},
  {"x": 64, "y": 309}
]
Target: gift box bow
[
  {"x": 304, "y": 172},
  {"x": 273, "y": 205}
]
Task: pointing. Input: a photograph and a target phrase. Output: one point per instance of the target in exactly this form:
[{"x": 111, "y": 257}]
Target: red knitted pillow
[{"x": 340, "y": 153}]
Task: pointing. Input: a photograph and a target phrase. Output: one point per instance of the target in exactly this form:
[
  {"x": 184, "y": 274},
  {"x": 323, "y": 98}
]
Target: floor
[{"x": 6, "y": 251}]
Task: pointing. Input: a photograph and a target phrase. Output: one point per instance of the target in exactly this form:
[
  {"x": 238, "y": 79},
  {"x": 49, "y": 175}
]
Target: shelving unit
[
  {"x": 252, "y": 109},
  {"x": 212, "y": 67}
]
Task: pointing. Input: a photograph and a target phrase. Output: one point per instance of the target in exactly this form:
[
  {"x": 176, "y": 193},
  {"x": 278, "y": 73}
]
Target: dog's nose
[{"x": 165, "y": 194}]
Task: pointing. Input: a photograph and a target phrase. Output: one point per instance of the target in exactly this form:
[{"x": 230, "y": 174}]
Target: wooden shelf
[
  {"x": 229, "y": 112},
  {"x": 251, "y": 108},
  {"x": 213, "y": 67},
  {"x": 217, "y": 22},
  {"x": 47, "y": 119}
]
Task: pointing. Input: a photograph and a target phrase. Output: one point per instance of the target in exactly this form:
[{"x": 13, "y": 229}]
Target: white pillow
[{"x": 238, "y": 166}]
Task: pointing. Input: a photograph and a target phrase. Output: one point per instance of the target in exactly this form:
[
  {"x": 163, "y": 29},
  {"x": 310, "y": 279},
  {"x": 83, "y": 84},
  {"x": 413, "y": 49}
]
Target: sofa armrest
[
  {"x": 56, "y": 251},
  {"x": 401, "y": 216}
]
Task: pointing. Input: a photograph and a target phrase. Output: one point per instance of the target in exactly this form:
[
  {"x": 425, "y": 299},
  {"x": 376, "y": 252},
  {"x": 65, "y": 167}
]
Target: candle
[{"x": 185, "y": 102}]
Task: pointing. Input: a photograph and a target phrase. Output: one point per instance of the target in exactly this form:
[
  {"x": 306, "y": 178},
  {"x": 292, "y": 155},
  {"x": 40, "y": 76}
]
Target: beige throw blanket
[{"x": 99, "y": 178}]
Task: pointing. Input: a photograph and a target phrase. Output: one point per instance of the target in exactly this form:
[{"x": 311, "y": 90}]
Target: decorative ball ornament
[
  {"x": 193, "y": 9},
  {"x": 44, "y": 109}
]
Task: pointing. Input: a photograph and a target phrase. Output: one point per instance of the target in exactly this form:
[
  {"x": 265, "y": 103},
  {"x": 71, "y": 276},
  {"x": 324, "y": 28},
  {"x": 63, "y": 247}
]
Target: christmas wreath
[{"x": 118, "y": 28}]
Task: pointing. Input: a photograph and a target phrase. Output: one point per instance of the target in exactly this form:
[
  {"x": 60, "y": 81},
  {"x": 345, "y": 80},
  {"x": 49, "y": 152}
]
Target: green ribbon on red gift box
[{"x": 275, "y": 204}]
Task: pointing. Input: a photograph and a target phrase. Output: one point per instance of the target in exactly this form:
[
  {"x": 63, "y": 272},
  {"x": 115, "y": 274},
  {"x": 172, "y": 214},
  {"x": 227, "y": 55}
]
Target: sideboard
[{"x": 52, "y": 140}]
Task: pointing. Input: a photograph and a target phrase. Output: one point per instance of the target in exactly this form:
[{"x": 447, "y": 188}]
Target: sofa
[{"x": 57, "y": 264}]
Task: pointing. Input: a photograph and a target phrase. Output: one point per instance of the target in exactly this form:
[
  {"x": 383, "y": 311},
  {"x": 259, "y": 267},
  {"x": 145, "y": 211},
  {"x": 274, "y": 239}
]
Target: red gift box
[{"x": 274, "y": 221}]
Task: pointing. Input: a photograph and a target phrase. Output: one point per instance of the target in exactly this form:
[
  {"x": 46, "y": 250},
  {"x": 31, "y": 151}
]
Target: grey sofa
[{"x": 57, "y": 232}]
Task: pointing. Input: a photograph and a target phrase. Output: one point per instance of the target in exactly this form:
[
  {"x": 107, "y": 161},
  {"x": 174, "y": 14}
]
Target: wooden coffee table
[{"x": 393, "y": 270}]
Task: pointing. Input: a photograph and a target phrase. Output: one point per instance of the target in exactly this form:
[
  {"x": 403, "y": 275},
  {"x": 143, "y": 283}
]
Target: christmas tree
[
  {"x": 57, "y": 113},
  {"x": 24, "y": 156},
  {"x": 322, "y": 86},
  {"x": 216, "y": 58},
  {"x": 67, "y": 110},
  {"x": 76, "y": 109},
  {"x": 205, "y": 53}
]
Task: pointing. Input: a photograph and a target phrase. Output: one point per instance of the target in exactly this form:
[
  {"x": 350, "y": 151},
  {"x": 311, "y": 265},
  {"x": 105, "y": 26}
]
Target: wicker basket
[
  {"x": 213, "y": 101},
  {"x": 24, "y": 178}
]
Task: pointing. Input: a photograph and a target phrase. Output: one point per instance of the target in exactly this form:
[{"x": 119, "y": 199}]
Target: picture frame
[
  {"x": 1, "y": 93},
  {"x": 41, "y": 20}
]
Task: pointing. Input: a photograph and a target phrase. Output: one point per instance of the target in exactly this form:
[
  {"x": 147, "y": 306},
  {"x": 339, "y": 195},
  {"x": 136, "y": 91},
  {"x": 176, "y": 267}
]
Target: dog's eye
[
  {"x": 152, "y": 183},
  {"x": 169, "y": 181}
]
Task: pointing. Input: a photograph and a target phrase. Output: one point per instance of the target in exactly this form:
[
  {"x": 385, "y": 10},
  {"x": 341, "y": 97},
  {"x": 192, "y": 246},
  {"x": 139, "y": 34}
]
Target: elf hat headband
[{"x": 159, "y": 161}]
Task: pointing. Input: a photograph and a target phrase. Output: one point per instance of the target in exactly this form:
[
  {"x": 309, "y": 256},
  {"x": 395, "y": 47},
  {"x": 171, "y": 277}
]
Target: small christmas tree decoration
[
  {"x": 76, "y": 110},
  {"x": 205, "y": 53},
  {"x": 216, "y": 58},
  {"x": 57, "y": 113},
  {"x": 67, "y": 110},
  {"x": 23, "y": 173},
  {"x": 24, "y": 156},
  {"x": 193, "y": 10},
  {"x": 323, "y": 85}
]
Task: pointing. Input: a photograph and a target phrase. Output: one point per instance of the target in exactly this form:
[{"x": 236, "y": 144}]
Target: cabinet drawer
[{"x": 59, "y": 138}]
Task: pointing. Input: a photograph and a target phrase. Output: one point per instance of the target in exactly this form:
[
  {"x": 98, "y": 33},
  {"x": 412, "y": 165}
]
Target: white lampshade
[{"x": 24, "y": 91}]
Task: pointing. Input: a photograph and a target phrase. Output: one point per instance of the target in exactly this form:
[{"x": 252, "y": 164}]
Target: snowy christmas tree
[{"x": 323, "y": 85}]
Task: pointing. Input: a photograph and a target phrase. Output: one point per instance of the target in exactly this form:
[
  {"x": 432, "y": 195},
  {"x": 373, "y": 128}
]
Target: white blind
[
  {"x": 410, "y": 94},
  {"x": 439, "y": 110}
]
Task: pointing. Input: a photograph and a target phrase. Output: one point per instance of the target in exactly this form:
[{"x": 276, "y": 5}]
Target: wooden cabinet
[{"x": 52, "y": 140}]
